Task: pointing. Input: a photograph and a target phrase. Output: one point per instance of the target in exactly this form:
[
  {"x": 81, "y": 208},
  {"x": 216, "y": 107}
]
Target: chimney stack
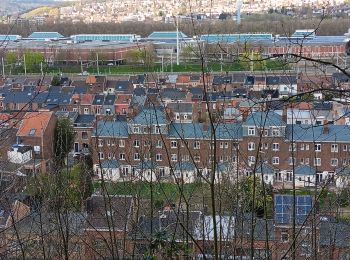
[{"x": 325, "y": 127}]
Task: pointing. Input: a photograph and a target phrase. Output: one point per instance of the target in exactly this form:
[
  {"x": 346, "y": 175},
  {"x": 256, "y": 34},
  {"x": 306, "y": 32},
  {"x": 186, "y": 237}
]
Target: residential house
[
  {"x": 37, "y": 129},
  {"x": 108, "y": 225}
]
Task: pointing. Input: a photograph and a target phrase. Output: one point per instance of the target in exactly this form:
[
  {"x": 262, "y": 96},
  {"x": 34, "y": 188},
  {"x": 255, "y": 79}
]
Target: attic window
[{"x": 32, "y": 131}]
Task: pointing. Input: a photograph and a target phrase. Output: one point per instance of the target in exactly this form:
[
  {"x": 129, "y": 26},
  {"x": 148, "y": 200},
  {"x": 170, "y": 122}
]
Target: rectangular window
[
  {"x": 147, "y": 143},
  {"x": 251, "y": 159},
  {"x": 122, "y": 156},
  {"x": 275, "y": 147},
  {"x": 317, "y": 147},
  {"x": 86, "y": 111},
  {"x": 159, "y": 144},
  {"x": 307, "y": 147},
  {"x": 307, "y": 161},
  {"x": 226, "y": 145},
  {"x": 251, "y": 146},
  {"x": 161, "y": 172},
  {"x": 334, "y": 148},
  {"x": 275, "y": 132},
  {"x": 136, "y": 156},
  {"x": 157, "y": 130},
  {"x": 173, "y": 144},
  {"x": 345, "y": 148},
  {"x": 317, "y": 162},
  {"x": 196, "y": 145},
  {"x": 121, "y": 143},
  {"x": 185, "y": 157},
  {"x": 158, "y": 157},
  {"x": 251, "y": 131},
  {"x": 84, "y": 135},
  {"x": 196, "y": 158},
  {"x": 266, "y": 146},
  {"x": 221, "y": 145},
  {"x": 125, "y": 171},
  {"x": 136, "y": 143},
  {"x": 334, "y": 162},
  {"x": 108, "y": 142},
  {"x": 136, "y": 130},
  {"x": 174, "y": 157},
  {"x": 291, "y": 160},
  {"x": 100, "y": 142},
  {"x": 275, "y": 160},
  {"x": 302, "y": 147},
  {"x": 284, "y": 236},
  {"x": 293, "y": 147},
  {"x": 101, "y": 155}
]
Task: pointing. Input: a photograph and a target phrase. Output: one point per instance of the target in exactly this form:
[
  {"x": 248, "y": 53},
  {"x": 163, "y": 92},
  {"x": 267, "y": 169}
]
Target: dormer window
[
  {"x": 136, "y": 130},
  {"x": 251, "y": 130}
]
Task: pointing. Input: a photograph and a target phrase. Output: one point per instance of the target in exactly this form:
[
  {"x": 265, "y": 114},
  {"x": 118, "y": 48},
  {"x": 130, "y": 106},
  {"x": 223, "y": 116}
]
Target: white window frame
[
  {"x": 275, "y": 147},
  {"x": 318, "y": 147},
  {"x": 137, "y": 157},
  {"x": 334, "y": 148},
  {"x": 317, "y": 161},
  {"x": 173, "y": 144},
  {"x": 251, "y": 146},
  {"x": 159, "y": 157},
  {"x": 121, "y": 143},
  {"x": 173, "y": 157},
  {"x": 275, "y": 160},
  {"x": 197, "y": 145},
  {"x": 136, "y": 143},
  {"x": 251, "y": 130}
]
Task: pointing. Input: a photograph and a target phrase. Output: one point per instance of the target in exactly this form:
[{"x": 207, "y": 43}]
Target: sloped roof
[
  {"x": 264, "y": 119},
  {"x": 147, "y": 165},
  {"x": 110, "y": 164},
  {"x": 119, "y": 212},
  {"x": 34, "y": 123},
  {"x": 227, "y": 131},
  {"x": 304, "y": 170},
  {"x": 184, "y": 166},
  {"x": 265, "y": 168},
  {"x": 316, "y": 133},
  {"x": 111, "y": 129},
  {"x": 149, "y": 116}
]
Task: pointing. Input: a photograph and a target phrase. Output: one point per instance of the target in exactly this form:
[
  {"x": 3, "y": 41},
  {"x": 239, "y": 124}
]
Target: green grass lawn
[
  {"x": 139, "y": 69},
  {"x": 165, "y": 192}
]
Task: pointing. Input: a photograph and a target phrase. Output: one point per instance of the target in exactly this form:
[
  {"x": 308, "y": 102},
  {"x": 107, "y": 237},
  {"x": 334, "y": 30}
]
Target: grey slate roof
[
  {"x": 172, "y": 93},
  {"x": 98, "y": 99},
  {"x": 111, "y": 129},
  {"x": 337, "y": 234},
  {"x": 147, "y": 165},
  {"x": 84, "y": 120},
  {"x": 181, "y": 107},
  {"x": 264, "y": 168},
  {"x": 304, "y": 170},
  {"x": 109, "y": 100},
  {"x": 110, "y": 164},
  {"x": 227, "y": 131},
  {"x": 24, "y": 97},
  {"x": 308, "y": 133},
  {"x": 184, "y": 166},
  {"x": 58, "y": 98},
  {"x": 148, "y": 116},
  {"x": 264, "y": 119}
]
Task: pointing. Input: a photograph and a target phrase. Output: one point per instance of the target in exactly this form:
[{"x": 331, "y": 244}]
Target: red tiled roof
[{"x": 34, "y": 123}]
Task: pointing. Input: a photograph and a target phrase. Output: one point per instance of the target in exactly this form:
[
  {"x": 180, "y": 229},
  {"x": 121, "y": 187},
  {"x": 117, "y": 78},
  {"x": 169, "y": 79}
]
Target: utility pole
[
  {"x": 25, "y": 66},
  {"x": 3, "y": 67},
  {"x": 171, "y": 61},
  {"x": 177, "y": 42},
  {"x": 162, "y": 63},
  {"x": 98, "y": 68}
]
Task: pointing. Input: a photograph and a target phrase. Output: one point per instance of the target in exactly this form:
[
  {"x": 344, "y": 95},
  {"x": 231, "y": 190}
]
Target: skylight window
[{"x": 32, "y": 131}]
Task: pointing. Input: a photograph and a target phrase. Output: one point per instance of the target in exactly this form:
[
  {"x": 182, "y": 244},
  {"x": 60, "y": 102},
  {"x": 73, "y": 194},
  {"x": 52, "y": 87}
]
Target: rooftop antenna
[{"x": 239, "y": 4}]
